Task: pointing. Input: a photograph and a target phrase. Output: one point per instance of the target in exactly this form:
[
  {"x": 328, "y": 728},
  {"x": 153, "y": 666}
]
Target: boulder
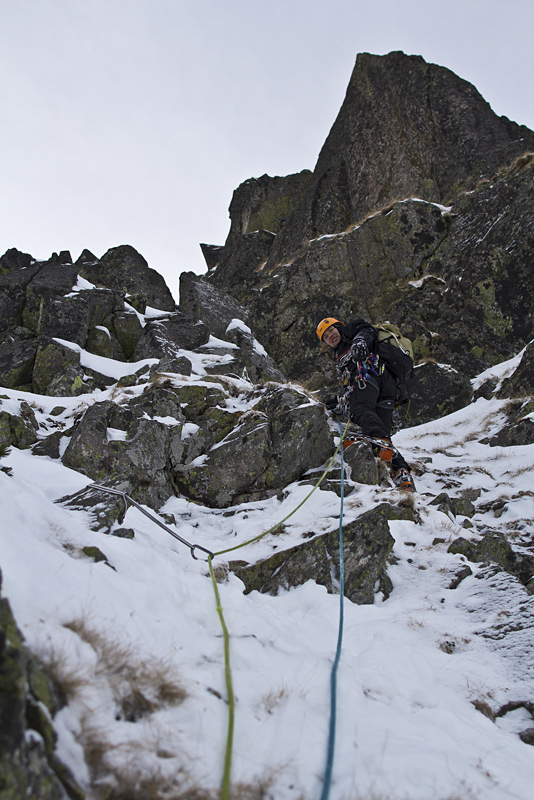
[
  {"x": 279, "y": 441},
  {"x": 51, "y": 282},
  {"x": 17, "y": 358},
  {"x": 112, "y": 445},
  {"x": 51, "y": 363},
  {"x": 200, "y": 300},
  {"x": 367, "y": 544},
  {"x": 124, "y": 269},
  {"x": 19, "y": 429},
  {"x": 71, "y": 317}
]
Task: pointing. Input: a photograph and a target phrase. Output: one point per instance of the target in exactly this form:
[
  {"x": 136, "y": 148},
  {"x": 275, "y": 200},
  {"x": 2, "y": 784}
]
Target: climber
[{"x": 371, "y": 389}]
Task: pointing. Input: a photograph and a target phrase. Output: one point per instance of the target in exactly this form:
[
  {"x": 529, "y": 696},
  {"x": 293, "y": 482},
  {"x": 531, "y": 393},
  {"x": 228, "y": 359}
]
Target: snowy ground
[{"x": 139, "y": 648}]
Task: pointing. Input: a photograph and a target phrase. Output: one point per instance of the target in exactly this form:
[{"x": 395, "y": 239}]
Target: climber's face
[{"x": 332, "y": 336}]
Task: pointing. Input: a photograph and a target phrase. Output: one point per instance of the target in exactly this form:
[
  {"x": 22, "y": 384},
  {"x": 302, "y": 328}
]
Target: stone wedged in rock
[
  {"x": 362, "y": 464},
  {"x": 367, "y": 544},
  {"x": 166, "y": 336}
]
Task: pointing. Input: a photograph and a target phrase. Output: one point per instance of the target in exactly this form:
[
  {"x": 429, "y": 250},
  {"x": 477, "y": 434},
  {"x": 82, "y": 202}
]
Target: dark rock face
[
  {"x": 28, "y": 765},
  {"x": 41, "y": 301},
  {"x": 367, "y": 544},
  {"x": 458, "y": 283},
  {"x": 259, "y": 209},
  {"x": 406, "y": 128},
  {"x": 457, "y": 280},
  {"x": 521, "y": 382}
]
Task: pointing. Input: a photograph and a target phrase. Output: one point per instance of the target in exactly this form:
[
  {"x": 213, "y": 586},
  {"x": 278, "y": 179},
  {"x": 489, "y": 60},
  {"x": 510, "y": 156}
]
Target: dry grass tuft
[{"x": 138, "y": 686}]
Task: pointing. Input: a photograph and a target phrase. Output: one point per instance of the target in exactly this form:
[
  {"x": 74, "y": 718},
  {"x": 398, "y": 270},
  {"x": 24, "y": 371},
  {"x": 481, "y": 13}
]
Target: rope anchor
[{"x": 129, "y": 500}]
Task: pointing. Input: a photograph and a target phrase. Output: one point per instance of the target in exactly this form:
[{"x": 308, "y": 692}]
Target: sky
[{"x": 133, "y": 121}]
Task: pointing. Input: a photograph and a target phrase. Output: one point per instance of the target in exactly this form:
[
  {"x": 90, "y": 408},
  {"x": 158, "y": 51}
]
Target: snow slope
[{"x": 136, "y": 642}]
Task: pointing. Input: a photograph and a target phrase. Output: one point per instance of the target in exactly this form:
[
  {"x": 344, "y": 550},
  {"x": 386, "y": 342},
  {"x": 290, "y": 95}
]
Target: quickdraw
[
  {"x": 362, "y": 371},
  {"x": 365, "y": 369}
]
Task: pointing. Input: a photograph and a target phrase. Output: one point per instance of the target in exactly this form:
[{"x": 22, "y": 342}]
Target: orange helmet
[{"x": 324, "y": 325}]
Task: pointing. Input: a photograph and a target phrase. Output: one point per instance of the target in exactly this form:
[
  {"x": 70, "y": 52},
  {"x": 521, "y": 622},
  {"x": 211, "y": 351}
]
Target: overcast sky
[{"x": 133, "y": 121}]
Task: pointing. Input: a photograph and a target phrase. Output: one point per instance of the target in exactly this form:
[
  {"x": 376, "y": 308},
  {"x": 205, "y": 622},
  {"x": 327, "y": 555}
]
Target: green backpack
[{"x": 396, "y": 350}]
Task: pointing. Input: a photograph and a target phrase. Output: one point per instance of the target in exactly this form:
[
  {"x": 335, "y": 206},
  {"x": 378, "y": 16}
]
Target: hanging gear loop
[{"x": 129, "y": 500}]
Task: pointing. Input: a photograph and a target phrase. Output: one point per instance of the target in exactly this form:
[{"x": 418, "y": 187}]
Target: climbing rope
[
  {"x": 294, "y": 511},
  {"x": 226, "y": 779},
  {"x": 333, "y": 675},
  {"x": 225, "y": 785},
  {"x": 127, "y": 499}
]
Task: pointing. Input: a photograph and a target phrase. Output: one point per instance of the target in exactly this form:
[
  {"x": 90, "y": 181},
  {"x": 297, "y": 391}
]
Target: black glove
[
  {"x": 359, "y": 350},
  {"x": 335, "y": 406}
]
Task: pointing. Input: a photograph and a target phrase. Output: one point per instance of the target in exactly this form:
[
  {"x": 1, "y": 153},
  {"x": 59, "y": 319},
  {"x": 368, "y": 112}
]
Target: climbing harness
[
  {"x": 327, "y": 782},
  {"x": 127, "y": 499}
]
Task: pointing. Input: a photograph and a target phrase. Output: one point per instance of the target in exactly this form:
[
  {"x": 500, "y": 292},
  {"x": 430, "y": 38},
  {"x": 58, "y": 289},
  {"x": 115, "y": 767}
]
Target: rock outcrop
[
  {"x": 406, "y": 129},
  {"x": 367, "y": 544},
  {"x": 29, "y": 766},
  {"x": 415, "y": 213}
]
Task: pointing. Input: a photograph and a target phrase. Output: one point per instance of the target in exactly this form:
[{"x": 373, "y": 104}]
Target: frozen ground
[{"x": 138, "y": 644}]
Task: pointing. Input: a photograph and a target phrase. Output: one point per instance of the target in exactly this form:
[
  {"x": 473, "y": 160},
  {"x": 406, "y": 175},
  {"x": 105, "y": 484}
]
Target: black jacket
[{"x": 357, "y": 329}]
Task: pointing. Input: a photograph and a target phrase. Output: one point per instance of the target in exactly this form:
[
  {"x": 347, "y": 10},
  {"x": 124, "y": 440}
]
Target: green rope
[
  {"x": 225, "y": 786},
  {"x": 278, "y": 524}
]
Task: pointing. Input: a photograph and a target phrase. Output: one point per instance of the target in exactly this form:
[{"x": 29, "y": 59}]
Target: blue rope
[{"x": 333, "y": 676}]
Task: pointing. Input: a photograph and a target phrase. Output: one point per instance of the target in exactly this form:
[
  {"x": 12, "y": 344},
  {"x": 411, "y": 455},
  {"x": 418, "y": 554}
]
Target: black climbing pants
[{"x": 372, "y": 406}]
